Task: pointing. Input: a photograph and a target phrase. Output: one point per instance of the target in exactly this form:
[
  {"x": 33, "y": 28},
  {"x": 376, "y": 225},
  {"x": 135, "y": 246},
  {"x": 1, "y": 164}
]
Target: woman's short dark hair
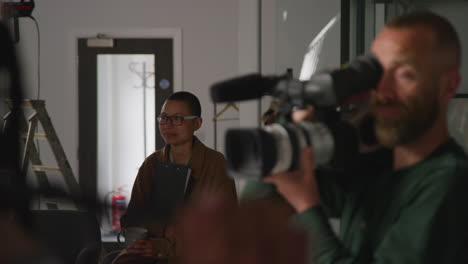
[{"x": 190, "y": 99}]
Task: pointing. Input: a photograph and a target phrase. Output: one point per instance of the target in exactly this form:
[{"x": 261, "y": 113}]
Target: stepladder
[{"x": 31, "y": 158}]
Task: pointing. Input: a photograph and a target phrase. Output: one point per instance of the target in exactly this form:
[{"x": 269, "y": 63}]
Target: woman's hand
[
  {"x": 143, "y": 247},
  {"x": 138, "y": 252}
]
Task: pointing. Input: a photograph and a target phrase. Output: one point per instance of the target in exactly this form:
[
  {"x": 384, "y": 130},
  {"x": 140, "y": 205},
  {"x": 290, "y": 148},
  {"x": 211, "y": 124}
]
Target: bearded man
[{"x": 405, "y": 203}]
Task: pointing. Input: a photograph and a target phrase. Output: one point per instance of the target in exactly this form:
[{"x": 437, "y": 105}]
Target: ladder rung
[
  {"x": 38, "y": 136},
  {"x": 31, "y": 153},
  {"x": 44, "y": 168}
]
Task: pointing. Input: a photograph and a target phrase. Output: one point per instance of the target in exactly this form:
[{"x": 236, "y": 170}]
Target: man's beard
[{"x": 417, "y": 115}]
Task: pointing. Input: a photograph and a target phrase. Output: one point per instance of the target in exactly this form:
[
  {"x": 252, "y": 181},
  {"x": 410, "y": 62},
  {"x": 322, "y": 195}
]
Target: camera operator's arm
[
  {"x": 332, "y": 187},
  {"x": 431, "y": 227},
  {"x": 316, "y": 196},
  {"x": 330, "y": 183},
  {"x": 300, "y": 188}
]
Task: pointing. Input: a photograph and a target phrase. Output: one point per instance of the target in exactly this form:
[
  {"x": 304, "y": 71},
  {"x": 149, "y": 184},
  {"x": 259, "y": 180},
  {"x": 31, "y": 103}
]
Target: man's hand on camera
[
  {"x": 304, "y": 114},
  {"x": 298, "y": 187}
]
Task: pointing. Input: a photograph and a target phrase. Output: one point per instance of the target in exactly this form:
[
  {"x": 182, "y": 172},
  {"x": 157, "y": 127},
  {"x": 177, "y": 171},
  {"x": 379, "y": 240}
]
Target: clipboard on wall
[{"x": 169, "y": 188}]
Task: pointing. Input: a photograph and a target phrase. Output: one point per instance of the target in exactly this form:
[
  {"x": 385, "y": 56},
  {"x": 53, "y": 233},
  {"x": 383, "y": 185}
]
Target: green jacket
[{"x": 413, "y": 215}]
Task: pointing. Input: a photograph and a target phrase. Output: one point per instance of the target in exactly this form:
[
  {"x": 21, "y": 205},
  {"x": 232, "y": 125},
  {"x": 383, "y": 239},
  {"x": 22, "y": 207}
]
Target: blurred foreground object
[{"x": 255, "y": 233}]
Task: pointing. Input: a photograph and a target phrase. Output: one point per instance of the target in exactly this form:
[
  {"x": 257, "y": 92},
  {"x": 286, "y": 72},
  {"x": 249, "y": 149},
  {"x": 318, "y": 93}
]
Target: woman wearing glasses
[{"x": 179, "y": 119}]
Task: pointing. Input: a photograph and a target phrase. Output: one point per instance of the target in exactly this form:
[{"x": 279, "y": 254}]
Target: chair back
[{"x": 73, "y": 236}]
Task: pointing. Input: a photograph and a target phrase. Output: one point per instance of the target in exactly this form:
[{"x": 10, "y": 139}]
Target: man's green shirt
[{"x": 413, "y": 215}]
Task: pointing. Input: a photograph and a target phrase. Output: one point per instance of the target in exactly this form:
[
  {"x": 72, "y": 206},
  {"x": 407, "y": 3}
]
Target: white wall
[
  {"x": 219, "y": 40},
  {"x": 285, "y": 39},
  {"x": 209, "y": 50},
  {"x": 249, "y": 56}
]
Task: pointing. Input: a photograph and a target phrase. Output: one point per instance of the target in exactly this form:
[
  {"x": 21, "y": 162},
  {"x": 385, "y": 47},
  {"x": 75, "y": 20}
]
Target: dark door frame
[{"x": 162, "y": 48}]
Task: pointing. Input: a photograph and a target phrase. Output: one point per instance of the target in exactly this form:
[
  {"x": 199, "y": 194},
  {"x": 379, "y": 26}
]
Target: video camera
[{"x": 255, "y": 153}]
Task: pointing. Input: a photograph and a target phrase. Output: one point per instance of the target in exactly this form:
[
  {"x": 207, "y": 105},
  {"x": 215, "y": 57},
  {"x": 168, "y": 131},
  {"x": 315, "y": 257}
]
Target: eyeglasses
[{"x": 175, "y": 120}]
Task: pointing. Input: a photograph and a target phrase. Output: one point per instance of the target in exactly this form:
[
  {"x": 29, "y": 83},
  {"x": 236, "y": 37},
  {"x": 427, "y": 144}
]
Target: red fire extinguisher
[{"x": 118, "y": 208}]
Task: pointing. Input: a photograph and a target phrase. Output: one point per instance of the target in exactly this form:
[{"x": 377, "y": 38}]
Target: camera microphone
[
  {"x": 329, "y": 88},
  {"x": 246, "y": 87}
]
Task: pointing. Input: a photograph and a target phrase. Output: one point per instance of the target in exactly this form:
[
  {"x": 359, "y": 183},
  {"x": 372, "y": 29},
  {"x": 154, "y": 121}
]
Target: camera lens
[
  {"x": 250, "y": 152},
  {"x": 256, "y": 153}
]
